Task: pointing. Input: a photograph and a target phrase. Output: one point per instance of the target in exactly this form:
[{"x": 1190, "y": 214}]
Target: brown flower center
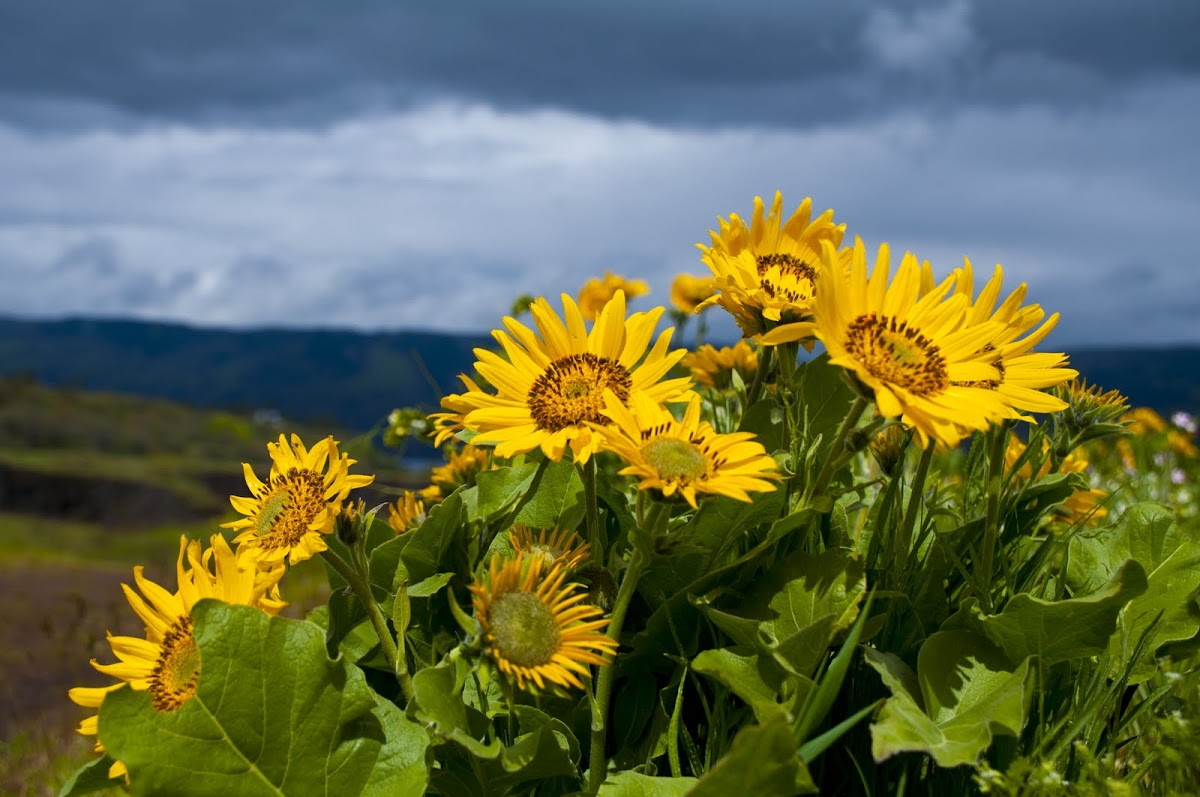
[
  {"x": 294, "y": 499},
  {"x": 177, "y": 671},
  {"x": 524, "y": 629},
  {"x": 788, "y": 277},
  {"x": 897, "y": 354},
  {"x": 571, "y": 391}
]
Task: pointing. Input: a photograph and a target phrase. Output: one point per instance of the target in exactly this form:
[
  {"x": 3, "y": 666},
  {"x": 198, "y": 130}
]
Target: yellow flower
[
  {"x": 688, "y": 292},
  {"x": 766, "y": 273},
  {"x": 713, "y": 367},
  {"x": 167, "y": 663},
  {"x": 550, "y": 390},
  {"x": 1181, "y": 443},
  {"x": 447, "y": 424},
  {"x": 685, "y": 456},
  {"x": 534, "y": 627},
  {"x": 1143, "y": 420},
  {"x": 557, "y": 547},
  {"x": 287, "y": 514},
  {"x": 461, "y": 469},
  {"x": 596, "y": 293},
  {"x": 913, "y": 354},
  {"x": 406, "y": 512},
  {"x": 1083, "y": 506},
  {"x": 1022, "y": 373}
]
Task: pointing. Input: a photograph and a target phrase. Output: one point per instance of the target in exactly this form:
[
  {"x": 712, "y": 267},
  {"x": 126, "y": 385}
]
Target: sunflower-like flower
[
  {"x": 461, "y": 468},
  {"x": 713, "y": 368},
  {"x": 445, "y": 425},
  {"x": 1143, "y": 420},
  {"x": 557, "y": 546},
  {"x": 535, "y": 628},
  {"x": 167, "y": 663},
  {"x": 1089, "y": 405},
  {"x": 596, "y": 293},
  {"x": 550, "y": 390},
  {"x": 766, "y": 273},
  {"x": 406, "y": 512},
  {"x": 1022, "y": 374},
  {"x": 688, "y": 292},
  {"x": 288, "y": 514},
  {"x": 912, "y": 353},
  {"x": 687, "y": 456},
  {"x": 1083, "y": 506}
]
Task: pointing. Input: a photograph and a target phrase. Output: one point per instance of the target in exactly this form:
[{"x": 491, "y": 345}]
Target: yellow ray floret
[
  {"x": 536, "y": 628},
  {"x": 911, "y": 353},
  {"x": 287, "y": 515},
  {"x": 166, "y": 663},
  {"x": 550, "y": 389},
  {"x": 685, "y": 457},
  {"x": 556, "y": 546}
]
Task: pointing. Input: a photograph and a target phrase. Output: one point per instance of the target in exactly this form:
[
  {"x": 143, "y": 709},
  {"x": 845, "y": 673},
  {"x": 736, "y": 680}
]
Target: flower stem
[
  {"x": 588, "y": 473},
  {"x": 835, "y": 456},
  {"x": 597, "y": 759},
  {"x": 991, "y": 523},
  {"x": 362, "y": 589},
  {"x": 760, "y": 376},
  {"x": 915, "y": 494}
]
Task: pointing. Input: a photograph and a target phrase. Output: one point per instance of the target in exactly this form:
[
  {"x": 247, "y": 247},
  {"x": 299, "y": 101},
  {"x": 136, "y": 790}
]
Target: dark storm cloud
[{"x": 703, "y": 62}]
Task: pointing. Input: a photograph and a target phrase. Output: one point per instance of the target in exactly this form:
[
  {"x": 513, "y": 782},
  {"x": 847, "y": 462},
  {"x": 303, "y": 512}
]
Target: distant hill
[{"x": 354, "y": 379}]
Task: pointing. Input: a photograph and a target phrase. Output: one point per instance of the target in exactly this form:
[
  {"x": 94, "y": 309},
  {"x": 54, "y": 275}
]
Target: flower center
[
  {"x": 177, "y": 671},
  {"x": 524, "y": 629},
  {"x": 571, "y": 391},
  {"x": 675, "y": 459},
  {"x": 295, "y": 498},
  {"x": 787, "y": 277},
  {"x": 898, "y": 354}
]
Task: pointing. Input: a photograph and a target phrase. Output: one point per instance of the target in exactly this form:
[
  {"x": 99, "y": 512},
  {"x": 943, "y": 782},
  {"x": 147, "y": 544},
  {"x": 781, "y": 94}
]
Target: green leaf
[
  {"x": 635, "y": 784},
  {"x": 754, "y": 678},
  {"x": 403, "y": 766},
  {"x": 965, "y": 692},
  {"x": 825, "y": 398},
  {"x": 764, "y": 419},
  {"x": 91, "y": 777},
  {"x": 384, "y": 564},
  {"x": 272, "y": 714},
  {"x": 428, "y": 547},
  {"x": 500, "y": 489},
  {"x": 558, "y": 502},
  {"x": 438, "y": 701},
  {"x": 761, "y": 761},
  {"x": 430, "y": 586},
  {"x": 1148, "y": 534},
  {"x": 1057, "y": 631}
]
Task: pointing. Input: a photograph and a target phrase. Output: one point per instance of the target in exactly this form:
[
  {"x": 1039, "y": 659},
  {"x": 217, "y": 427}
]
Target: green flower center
[
  {"x": 177, "y": 671},
  {"x": 675, "y": 459},
  {"x": 294, "y": 501},
  {"x": 525, "y": 630}
]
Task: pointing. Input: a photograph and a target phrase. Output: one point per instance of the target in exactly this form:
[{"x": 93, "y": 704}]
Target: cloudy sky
[{"x": 388, "y": 165}]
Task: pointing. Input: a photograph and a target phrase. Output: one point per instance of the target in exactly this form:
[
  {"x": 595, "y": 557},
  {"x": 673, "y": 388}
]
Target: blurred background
[{"x": 222, "y": 220}]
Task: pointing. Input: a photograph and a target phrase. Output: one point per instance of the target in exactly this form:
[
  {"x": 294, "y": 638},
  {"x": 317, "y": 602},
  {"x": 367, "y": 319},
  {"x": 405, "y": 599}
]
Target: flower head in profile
[
  {"x": 556, "y": 546},
  {"x": 461, "y": 469},
  {"x": 166, "y": 663},
  {"x": 550, "y": 389},
  {"x": 1022, "y": 374},
  {"x": 714, "y": 368},
  {"x": 535, "y": 628},
  {"x": 685, "y": 457},
  {"x": 445, "y": 425},
  {"x": 596, "y": 293},
  {"x": 406, "y": 512},
  {"x": 287, "y": 516},
  {"x": 1089, "y": 406},
  {"x": 688, "y": 292},
  {"x": 765, "y": 273},
  {"x": 912, "y": 354}
]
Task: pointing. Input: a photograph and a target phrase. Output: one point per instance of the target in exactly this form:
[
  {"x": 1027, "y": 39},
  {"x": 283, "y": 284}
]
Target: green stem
[
  {"x": 363, "y": 590},
  {"x": 915, "y": 495},
  {"x": 597, "y": 759},
  {"x": 991, "y": 524},
  {"x": 835, "y": 457},
  {"x": 760, "y": 376},
  {"x": 588, "y": 473}
]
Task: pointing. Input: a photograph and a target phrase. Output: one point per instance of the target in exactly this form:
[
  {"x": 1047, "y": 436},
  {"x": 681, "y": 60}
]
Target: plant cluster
[{"x": 923, "y": 556}]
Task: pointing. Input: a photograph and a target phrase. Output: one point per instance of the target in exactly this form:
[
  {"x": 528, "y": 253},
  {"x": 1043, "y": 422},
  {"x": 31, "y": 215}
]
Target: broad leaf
[
  {"x": 428, "y": 549},
  {"x": 500, "y": 489},
  {"x": 753, "y": 678},
  {"x": 635, "y": 784},
  {"x": 272, "y": 714},
  {"x": 761, "y": 761},
  {"x": 90, "y": 778},
  {"x": 558, "y": 501}
]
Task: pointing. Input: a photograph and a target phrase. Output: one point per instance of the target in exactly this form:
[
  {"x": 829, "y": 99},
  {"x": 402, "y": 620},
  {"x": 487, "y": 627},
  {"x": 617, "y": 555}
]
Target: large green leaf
[
  {"x": 964, "y": 693},
  {"x": 824, "y": 399},
  {"x": 429, "y": 546},
  {"x": 558, "y": 501},
  {"x": 1057, "y": 631},
  {"x": 635, "y": 784},
  {"x": 90, "y": 778},
  {"x": 761, "y": 761},
  {"x": 755, "y": 679},
  {"x": 1146, "y": 533},
  {"x": 438, "y": 702},
  {"x": 272, "y": 714},
  {"x": 402, "y": 767},
  {"x": 500, "y": 489}
]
